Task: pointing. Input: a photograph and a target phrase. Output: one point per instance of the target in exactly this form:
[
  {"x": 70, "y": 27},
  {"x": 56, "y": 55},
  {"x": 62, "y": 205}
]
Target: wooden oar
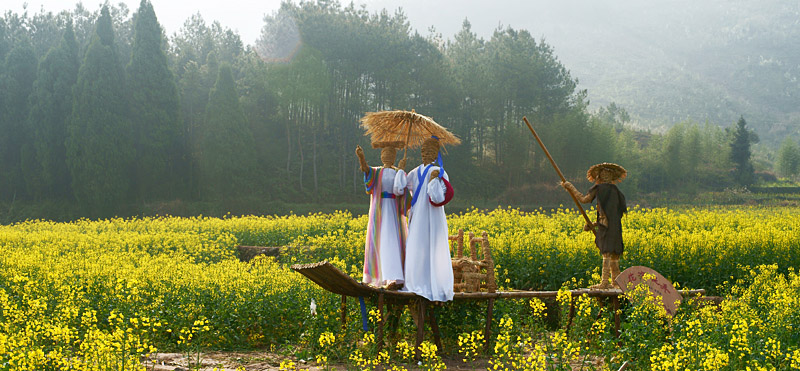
[{"x": 547, "y": 153}]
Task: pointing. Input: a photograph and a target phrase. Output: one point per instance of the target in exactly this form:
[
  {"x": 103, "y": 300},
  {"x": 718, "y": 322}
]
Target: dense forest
[{"x": 103, "y": 114}]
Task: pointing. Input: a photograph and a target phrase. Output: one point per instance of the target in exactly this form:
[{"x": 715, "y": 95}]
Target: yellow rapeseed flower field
[{"x": 101, "y": 294}]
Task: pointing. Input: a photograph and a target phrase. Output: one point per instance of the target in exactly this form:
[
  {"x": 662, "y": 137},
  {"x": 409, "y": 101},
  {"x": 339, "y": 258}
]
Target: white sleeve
[
  {"x": 400, "y": 183},
  {"x": 436, "y": 189},
  {"x": 411, "y": 180}
]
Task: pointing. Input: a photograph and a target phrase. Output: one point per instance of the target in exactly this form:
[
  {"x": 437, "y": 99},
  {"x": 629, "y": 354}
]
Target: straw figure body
[
  {"x": 611, "y": 208},
  {"x": 428, "y": 268},
  {"x": 384, "y": 250}
]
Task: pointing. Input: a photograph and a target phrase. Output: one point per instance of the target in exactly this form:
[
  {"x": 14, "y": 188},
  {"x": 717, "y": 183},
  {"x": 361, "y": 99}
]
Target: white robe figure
[
  {"x": 428, "y": 270},
  {"x": 386, "y": 230}
]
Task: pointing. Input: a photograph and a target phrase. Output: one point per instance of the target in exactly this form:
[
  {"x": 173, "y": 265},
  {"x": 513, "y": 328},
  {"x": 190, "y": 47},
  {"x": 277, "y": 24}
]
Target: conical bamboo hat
[{"x": 618, "y": 173}]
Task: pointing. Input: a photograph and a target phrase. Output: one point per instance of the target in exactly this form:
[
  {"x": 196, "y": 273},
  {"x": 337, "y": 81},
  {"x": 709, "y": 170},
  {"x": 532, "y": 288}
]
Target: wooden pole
[
  {"x": 547, "y": 153},
  {"x": 408, "y": 137}
]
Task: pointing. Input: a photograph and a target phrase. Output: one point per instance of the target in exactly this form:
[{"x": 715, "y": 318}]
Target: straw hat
[
  {"x": 618, "y": 173},
  {"x": 407, "y": 126}
]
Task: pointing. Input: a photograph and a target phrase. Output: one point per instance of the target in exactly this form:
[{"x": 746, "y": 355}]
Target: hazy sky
[
  {"x": 619, "y": 50},
  {"x": 569, "y": 26},
  {"x": 245, "y": 16}
]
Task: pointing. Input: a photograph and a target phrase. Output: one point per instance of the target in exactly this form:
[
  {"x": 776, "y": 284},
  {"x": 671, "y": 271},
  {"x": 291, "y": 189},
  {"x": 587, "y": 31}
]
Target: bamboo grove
[{"x": 102, "y": 109}]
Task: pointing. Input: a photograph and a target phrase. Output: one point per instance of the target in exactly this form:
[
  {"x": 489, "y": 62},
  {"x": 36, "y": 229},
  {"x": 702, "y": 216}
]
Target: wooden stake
[
  {"x": 343, "y": 310},
  {"x": 487, "y": 330},
  {"x": 547, "y": 153}
]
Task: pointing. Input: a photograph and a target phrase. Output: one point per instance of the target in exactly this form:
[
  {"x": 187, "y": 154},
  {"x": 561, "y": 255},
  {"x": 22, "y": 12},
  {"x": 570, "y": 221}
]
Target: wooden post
[
  {"x": 380, "y": 321},
  {"x": 491, "y": 284},
  {"x": 473, "y": 252},
  {"x": 460, "y": 244},
  {"x": 393, "y": 314},
  {"x": 571, "y": 313},
  {"x": 343, "y": 310},
  {"x": 615, "y": 308},
  {"x": 421, "y": 303},
  {"x": 547, "y": 153},
  {"x": 487, "y": 331},
  {"x": 435, "y": 328}
]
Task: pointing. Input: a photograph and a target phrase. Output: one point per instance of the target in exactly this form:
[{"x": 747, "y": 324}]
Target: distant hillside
[
  {"x": 691, "y": 60},
  {"x": 663, "y": 61}
]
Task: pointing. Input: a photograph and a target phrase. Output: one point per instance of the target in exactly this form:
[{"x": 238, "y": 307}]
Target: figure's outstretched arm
[
  {"x": 584, "y": 199},
  {"x": 361, "y": 160}
]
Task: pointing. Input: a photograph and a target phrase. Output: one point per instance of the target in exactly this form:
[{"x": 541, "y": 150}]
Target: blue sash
[{"x": 419, "y": 184}]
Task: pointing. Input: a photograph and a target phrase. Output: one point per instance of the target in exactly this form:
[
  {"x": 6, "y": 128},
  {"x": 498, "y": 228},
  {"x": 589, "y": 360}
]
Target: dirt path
[{"x": 260, "y": 360}]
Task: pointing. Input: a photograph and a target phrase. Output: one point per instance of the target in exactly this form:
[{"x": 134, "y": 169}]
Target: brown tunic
[{"x": 610, "y": 209}]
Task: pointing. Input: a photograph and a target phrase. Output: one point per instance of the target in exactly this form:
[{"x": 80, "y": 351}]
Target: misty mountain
[{"x": 665, "y": 61}]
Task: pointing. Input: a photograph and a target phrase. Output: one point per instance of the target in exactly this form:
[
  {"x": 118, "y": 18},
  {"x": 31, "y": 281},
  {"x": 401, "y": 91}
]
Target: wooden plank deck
[{"x": 330, "y": 278}]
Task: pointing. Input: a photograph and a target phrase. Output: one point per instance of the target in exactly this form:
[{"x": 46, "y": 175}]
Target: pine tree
[
  {"x": 3, "y": 42},
  {"x": 226, "y": 155},
  {"x": 789, "y": 158},
  {"x": 743, "y": 172},
  {"x": 693, "y": 154},
  {"x": 17, "y": 82},
  {"x": 51, "y": 107},
  {"x": 672, "y": 155},
  {"x": 194, "y": 98},
  {"x": 4, "y": 139},
  {"x": 99, "y": 148},
  {"x": 155, "y": 110}
]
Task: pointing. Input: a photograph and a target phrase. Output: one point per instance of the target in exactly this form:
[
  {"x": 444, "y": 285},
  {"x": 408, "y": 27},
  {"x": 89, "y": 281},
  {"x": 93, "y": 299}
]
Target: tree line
[{"x": 103, "y": 110}]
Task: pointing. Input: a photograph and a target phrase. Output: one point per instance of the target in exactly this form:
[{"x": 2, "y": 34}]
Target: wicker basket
[{"x": 469, "y": 273}]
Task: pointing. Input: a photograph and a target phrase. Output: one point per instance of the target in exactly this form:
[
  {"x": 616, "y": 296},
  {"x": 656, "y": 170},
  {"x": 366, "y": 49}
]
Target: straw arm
[
  {"x": 584, "y": 199},
  {"x": 361, "y": 160},
  {"x": 547, "y": 153}
]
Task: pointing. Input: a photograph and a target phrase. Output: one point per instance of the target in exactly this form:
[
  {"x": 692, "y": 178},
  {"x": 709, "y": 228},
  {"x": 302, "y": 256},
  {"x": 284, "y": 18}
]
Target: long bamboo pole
[
  {"x": 547, "y": 153},
  {"x": 408, "y": 137}
]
